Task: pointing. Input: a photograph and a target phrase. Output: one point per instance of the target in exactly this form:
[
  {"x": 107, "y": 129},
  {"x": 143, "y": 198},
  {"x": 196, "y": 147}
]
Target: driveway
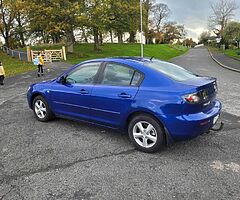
[{"x": 71, "y": 161}]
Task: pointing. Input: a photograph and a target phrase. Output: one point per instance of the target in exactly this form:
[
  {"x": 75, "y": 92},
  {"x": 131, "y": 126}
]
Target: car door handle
[
  {"x": 125, "y": 96},
  {"x": 82, "y": 91}
]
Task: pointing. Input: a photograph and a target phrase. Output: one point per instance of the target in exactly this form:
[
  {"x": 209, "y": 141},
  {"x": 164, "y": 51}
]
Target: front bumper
[
  {"x": 191, "y": 125},
  {"x": 29, "y": 97}
]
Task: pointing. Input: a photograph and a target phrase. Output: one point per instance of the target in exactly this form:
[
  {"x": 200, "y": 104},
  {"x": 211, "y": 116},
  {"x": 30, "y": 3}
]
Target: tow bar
[{"x": 219, "y": 127}]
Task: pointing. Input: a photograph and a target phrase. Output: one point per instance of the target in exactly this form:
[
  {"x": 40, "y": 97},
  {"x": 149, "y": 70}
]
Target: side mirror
[{"x": 62, "y": 80}]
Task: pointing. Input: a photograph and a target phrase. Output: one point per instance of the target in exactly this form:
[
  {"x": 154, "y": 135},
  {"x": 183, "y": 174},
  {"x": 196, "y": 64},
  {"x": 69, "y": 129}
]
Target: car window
[
  {"x": 85, "y": 74},
  {"x": 117, "y": 75},
  {"x": 136, "y": 79},
  {"x": 173, "y": 71}
]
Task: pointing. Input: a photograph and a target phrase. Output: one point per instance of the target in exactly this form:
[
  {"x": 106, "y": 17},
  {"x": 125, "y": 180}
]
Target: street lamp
[{"x": 141, "y": 33}]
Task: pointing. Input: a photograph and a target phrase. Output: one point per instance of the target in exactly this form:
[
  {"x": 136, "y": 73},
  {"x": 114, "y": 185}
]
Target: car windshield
[{"x": 173, "y": 71}]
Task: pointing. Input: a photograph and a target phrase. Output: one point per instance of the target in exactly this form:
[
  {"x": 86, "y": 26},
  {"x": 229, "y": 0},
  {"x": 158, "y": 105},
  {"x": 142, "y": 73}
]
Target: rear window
[{"x": 173, "y": 71}]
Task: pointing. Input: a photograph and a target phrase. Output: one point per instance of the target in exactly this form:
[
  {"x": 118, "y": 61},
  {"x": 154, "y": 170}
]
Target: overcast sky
[{"x": 193, "y": 14}]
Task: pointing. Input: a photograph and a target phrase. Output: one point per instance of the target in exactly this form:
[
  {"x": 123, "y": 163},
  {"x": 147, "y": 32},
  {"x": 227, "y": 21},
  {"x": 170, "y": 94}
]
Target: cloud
[{"x": 193, "y": 14}]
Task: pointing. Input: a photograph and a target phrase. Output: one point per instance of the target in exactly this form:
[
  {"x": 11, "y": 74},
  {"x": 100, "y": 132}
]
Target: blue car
[{"x": 155, "y": 101}]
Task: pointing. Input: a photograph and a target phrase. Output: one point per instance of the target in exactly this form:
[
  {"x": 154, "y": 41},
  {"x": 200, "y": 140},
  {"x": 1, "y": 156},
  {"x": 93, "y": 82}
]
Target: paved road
[
  {"x": 199, "y": 61},
  {"x": 227, "y": 61},
  {"x": 71, "y": 161}
]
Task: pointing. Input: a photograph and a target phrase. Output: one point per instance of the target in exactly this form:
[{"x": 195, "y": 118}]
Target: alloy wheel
[
  {"x": 40, "y": 109},
  {"x": 145, "y": 134}
]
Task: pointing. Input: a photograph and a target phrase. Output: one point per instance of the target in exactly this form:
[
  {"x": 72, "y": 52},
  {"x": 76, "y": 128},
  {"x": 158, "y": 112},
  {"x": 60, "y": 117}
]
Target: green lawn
[
  {"x": 85, "y": 52},
  {"x": 13, "y": 66}
]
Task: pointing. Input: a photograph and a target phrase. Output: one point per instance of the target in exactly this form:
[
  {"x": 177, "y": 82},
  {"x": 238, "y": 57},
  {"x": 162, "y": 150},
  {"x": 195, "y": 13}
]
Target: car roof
[
  {"x": 124, "y": 58},
  {"x": 137, "y": 62}
]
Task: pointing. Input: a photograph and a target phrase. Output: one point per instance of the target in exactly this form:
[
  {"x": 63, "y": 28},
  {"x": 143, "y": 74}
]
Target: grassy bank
[
  {"x": 229, "y": 52},
  {"x": 13, "y": 66},
  {"x": 85, "y": 52}
]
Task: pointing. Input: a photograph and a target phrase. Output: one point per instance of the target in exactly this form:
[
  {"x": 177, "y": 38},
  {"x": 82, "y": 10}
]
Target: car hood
[{"x": 46, "y": 81}]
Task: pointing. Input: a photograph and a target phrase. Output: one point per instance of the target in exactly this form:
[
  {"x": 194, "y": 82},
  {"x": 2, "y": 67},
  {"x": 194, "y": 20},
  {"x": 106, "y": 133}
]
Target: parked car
[{"x": 155, "y": 101}]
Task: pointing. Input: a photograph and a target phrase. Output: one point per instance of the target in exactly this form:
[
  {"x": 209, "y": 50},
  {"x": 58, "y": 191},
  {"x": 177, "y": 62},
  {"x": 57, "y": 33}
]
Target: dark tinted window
[
  {"x": 171, "y": 70},
  {"x": 85, "y": 74},
  {"x": 119, "y": 75}
]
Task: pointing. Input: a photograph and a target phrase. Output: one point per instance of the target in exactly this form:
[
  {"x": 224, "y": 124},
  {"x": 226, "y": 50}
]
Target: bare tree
[
  {"x": 222, "y": 13},
  {"x": 160, "y": 13}
]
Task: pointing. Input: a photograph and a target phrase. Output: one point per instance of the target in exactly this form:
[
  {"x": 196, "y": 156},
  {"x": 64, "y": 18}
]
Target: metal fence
[{"x": 17, "y": 54}]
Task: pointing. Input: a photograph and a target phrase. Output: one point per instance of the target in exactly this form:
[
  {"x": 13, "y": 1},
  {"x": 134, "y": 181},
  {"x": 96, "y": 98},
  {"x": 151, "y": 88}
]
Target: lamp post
[{"x": 141, "y": 33}]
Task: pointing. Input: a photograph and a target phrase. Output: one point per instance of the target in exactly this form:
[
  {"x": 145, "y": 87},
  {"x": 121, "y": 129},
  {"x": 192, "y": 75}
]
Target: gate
[{"x": 50, "y": 55}]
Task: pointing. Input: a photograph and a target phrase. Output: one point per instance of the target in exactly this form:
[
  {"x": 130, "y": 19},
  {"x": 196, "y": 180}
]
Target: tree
[
  {"x": 97, "y": 14},
  {"x": 21, "y": 22},
  {"x": 160, "y": 13},
  {"x": 7, "y": 16},
  {"x": 133, "y": 19},
  {"x": 232, "y": 33},
  {"x": 222, "y": 13},
  {"x": 204, "y": 37},
  {"x": 147, "y": 10},
  {"x": 189, "y": 42},
  {"x": 62, "y": 18},
  {"x": 172, "y": 31},
  {"x": 124, "y": 17}
]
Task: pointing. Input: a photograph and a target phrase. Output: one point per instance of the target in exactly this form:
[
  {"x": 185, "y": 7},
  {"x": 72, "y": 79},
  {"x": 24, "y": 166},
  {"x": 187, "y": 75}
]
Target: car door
[
  {"x": 114, "y": 94},
  {"x": 73, "y": 97}
]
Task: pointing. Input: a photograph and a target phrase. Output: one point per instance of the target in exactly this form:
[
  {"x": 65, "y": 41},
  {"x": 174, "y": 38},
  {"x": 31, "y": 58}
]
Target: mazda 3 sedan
[{"x": 155, "y": 101}]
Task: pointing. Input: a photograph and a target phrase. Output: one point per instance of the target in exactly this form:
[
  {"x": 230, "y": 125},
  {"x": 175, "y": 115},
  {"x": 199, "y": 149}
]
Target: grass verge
[
  {"x": 229, "y": 52},
  {"x": 233, "y": 53},
  {"x": 13, "y": 66}
]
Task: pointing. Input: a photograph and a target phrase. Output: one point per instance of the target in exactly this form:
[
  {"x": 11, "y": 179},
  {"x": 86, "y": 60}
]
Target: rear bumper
[{"x": 192, "y": 125}]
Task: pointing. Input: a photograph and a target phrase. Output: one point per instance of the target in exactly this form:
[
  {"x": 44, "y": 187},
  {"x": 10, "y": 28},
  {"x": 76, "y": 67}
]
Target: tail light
[{"x": 192, "y": 98}]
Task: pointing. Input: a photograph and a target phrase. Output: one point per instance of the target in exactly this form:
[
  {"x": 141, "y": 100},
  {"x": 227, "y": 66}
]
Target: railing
[{"x": 17, "y": 54}]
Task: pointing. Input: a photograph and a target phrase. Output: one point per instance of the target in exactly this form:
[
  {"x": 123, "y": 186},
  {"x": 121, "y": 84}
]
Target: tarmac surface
[
  {"x": 227, "y": 61},
  {"x": 67, "y": 160}
]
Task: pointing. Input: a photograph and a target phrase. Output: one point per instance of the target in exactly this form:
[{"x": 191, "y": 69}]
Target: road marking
[{"x": 218, "y": 165}]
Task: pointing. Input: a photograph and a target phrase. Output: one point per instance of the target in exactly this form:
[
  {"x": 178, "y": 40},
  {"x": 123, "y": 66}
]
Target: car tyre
[
  {"x": 41, "y": 109},
  {"x": 146, "y": 133}
]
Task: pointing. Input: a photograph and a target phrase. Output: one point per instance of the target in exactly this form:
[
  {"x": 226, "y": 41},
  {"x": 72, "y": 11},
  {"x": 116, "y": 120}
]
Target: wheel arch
[
  {"x": 168, "y": 138},
  {"x": 34, "y": 95}
]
